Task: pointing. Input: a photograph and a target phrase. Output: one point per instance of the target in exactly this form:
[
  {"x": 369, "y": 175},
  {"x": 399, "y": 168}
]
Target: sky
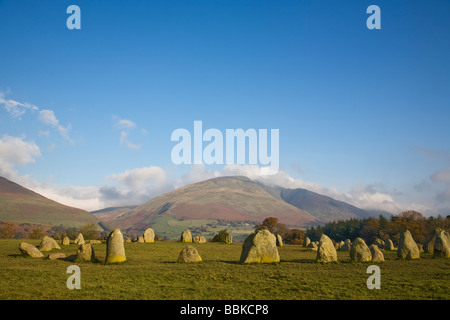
[{"x": 86, "y": 115}]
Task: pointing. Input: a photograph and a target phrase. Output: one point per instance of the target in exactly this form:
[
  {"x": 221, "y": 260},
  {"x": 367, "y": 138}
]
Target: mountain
[
  {"x": 324, "y": 208},
  {"x": 18, "y": 204},
  {"x": 225, "y": 198},
  {"x": 108, "y": 215}
]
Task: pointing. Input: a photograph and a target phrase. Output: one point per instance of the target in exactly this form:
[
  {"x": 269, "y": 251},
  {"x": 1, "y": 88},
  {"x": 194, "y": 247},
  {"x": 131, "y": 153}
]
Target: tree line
[{"x": 421, "y": 228}]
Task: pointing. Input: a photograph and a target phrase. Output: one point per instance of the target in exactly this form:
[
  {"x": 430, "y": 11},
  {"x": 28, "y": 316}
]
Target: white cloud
[
  {"x": 135, "y": 178},
  {"x": 17, "y": 109},
  {"x": 14, "y": 108},
  {"x": 126, "y": 126},
  {"x": 15, "y": 151},
  {"x": 48, "y": 117}
]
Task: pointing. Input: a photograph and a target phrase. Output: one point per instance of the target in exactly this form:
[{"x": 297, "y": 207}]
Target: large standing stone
[
  {"x": 326, "y": 252},
  {"x": 260, "y": 247},
  {"x": 279, "y": 241},
  {"x": 48, "y": 244},
  {"x": 377, "y": 255},
  {"x": 229, "y": 239},
  {"x": 442, "y": 245},
  {"x": 79, "y": 239},
  {"x": 196, "y": 239},
  {"x": 140, "y": 239},
  {"x": 346, "y": 246},
  {"x": 407, "y": 247},
  {"x": 189, "y": 254},
  {"x": 389, "y": 245},
  {"x": 30, "y": 250},
  {"x": 65, "y": 241},
  {"x": 115, "y": 250},
  {"x": 149, "y": 235},
  {"x": 359, "y": 251},
  {"x": 202, "y": 239},
  {"x": 186, "y": 236},
  {"x": 86, "y": 252}
]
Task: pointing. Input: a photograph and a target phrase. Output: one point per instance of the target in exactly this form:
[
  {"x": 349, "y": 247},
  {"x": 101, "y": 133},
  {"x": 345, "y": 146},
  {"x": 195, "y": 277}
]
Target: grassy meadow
[{"x": 151, "y": 272}]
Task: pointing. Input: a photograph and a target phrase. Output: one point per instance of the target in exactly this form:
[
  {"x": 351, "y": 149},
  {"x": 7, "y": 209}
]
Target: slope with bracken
[
  {"x": 225, "y": 198},
  {"x": 18, "y": 204}
]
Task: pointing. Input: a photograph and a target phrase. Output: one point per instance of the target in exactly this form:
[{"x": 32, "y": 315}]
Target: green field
[{"x": 152, "y": 272}]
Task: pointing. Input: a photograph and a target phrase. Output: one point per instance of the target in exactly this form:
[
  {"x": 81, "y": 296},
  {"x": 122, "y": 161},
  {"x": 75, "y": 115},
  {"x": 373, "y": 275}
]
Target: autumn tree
[{"x": 8, "y": 231}]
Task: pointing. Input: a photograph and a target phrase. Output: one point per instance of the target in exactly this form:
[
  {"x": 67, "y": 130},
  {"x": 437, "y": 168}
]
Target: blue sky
[{"x": 363, "y": 114}]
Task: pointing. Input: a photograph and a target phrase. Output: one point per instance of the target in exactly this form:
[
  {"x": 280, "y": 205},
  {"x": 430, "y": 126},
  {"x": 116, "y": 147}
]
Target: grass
[{"x": 151, "y": 272}]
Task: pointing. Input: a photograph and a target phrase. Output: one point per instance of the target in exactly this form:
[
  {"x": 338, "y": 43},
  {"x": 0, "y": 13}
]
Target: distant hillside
[
  {"x": 322, "y": 207},
  {"x": 108, "y": 215},
  {"x": 18, "y": 204},
  {"x": 225, "y": 198}
]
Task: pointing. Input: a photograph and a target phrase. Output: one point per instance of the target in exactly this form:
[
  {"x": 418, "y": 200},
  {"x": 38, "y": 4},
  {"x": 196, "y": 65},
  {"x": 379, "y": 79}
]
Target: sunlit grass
[{"x": 151, "y": 272}]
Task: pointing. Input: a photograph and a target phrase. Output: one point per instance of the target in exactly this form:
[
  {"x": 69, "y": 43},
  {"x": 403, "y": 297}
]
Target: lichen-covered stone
[
  {"x": 260, "y": 247},
  {"x": 149, "y": 235},
  {"x": 65, "y": 241},
  {"x": 86, "y": 252},
  {"x": 441, "y": 247},
  {"x": 115, "y": 250},
  {"x": 279, "y": 241},
  {"x": 30, "y": 250},
  {"x": 48, "y": 244},
  {"x": 407, "y": 247},
  {"x": 389, "y": 245},
  {"x": 326, "y": 252},
  {"x": 346, "y": 246},
  {"x": 377, "y": 255},
  {"x": 79, "y": 239},
  {"x": 189, "y": 254},
  {"x": 360, "y": 252},
  {"x": 186, "y": 236}
]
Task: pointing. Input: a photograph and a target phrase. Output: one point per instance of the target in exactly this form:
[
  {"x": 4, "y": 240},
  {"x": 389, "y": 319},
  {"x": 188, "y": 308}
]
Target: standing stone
[
  {"x": 407, "y": 247},
  {"x": 377, "y": 255},
  {"x": 346, "y": 246},
  {"x": 359, "y": 251},
  {"x": 441, "y": 247},
  {"x": 429, "y": 247},
  {"x": 95, "y": 242},
  {"x": 196, "y": 239},
  {"x": 312, "y": 246},
  {"x": 229, "y": 239},
  {"x": 79, "y": 239},
  {"x": 202, "y": 239},
  {"x": 189, "y": 254},
  {"x": 186, "y": 236},
  {"x": 149, "y": 235},
  {"x": 260, "y": 247},
  {"x": 48, "y": 244},
  {"x": 115, "y": 251},
  {"x": 389, "y": 245},
  {"x": 306, "y": 242},
  {"x": 86, "y": 252},
  {"x": 30, "y": 250},
  {"x": 326, "y": 252},
  {"x": 279, "y": 241},
  {"x": 65, "y": 241},
  {"x": 379, "y": 243},
  {"x": 140, "y": 239}
]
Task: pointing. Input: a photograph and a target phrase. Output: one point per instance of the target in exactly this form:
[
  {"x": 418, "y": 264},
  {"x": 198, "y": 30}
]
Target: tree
[
  {"x": 89, "y": 231},
  {"x": 36, "y": 233},
  {"x": 8, "y": 231},
  {"x": 221, "y": 236}
]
